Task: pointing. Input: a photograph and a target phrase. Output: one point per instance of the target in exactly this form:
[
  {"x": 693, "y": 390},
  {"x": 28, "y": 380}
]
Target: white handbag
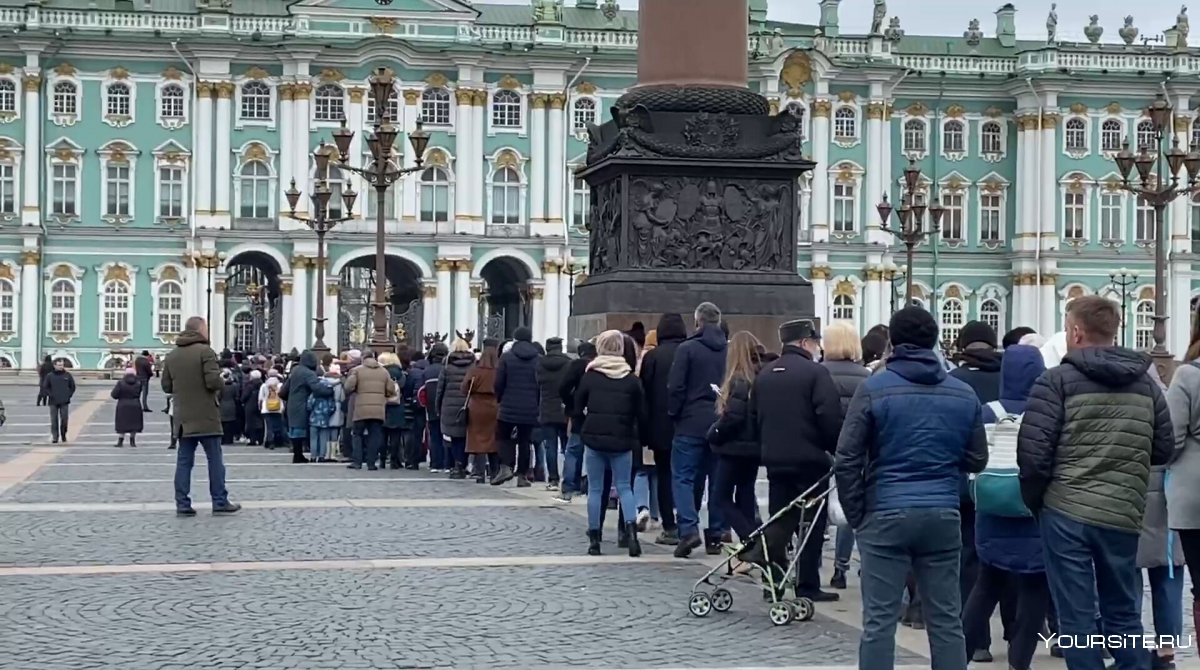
[{"x": 837, "y": 516}]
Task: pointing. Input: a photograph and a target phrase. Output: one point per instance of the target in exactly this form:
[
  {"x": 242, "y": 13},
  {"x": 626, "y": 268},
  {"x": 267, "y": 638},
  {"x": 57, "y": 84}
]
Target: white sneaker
[{"x": 643, "y": 520}]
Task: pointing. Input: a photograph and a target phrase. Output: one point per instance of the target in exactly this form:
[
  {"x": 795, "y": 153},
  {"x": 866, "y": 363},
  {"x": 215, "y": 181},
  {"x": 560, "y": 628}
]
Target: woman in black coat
[
  {"x": 231, "y": 397},
  {"x": 44, "y": 369},
  {"x": 128, "y": 417},
  {"x": 253, "y": 428},
  {"x": 656, "y": 366},
  {"x": 733, "y": 439}
]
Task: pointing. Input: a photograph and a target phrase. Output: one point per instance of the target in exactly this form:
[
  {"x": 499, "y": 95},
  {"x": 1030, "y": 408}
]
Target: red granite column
[{"x": 692, "y": 43}]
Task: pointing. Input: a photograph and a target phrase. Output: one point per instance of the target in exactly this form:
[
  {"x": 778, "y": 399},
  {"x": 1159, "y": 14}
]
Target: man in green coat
[{"x": 191, "y": 376}]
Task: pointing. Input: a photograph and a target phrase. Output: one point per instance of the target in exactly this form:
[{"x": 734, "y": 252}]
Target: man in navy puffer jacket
[
  {"x": 909, "y": 433},
  {"x": 519, "y": 397}
]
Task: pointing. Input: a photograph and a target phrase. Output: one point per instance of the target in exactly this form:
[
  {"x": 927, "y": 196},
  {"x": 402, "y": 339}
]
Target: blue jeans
[
  {"x": 927, "y": 542},
  {"x": 621, "y": 466},
  {"x": 437, "y": 450},
  {"x": 369, "y": 434},
  {"x": 691, "y": 464},
  {"x": 319, "y": 441},
  {"x": 553, "y": 437},
  {"x": 572, "y": 464},
  {"x": 1166, "y": 600},
  {"x": 642, "y": 489},
  {"x": 1087, "y": 564},
  {"x": 185, "y": 460},
  {"x": 843, "y": 547},
  {"x": 276, "y": 432}
]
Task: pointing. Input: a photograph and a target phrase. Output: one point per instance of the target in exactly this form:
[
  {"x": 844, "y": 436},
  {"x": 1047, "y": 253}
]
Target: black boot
[
  {"x": 712, "y": 543},
  {"x": 623, "y": 536},
  {"x": 298, "y": 451},
  {"x": 593, "y": 542},
  {"x": 132, "y": 440},
  {"x": 631, "y": 540},
  {"x": 120, "y": 441}
]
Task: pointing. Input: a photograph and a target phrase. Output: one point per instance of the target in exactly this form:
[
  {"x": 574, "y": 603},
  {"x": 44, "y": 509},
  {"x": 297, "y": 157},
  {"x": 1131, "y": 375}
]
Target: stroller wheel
[
  {"x": 722, "y": 600},
  {"x": 804, "y": 609},
  {"x": 781, "y": 613},
  {"x": 700, "y": 605}
]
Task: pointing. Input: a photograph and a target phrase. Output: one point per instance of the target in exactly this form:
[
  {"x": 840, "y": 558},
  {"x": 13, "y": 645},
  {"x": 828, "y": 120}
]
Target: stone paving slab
[
  {"x": 619, "y": 616},
  {"x": 163, "y": 489},
  {"x": 282, "y": 469}
]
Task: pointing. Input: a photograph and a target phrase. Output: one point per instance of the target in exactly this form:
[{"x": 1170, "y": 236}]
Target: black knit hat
[
  {"x": 915, "y": 326},
  {"x": 976, "y": 332},
  {"x": 1014, "y": 336},
  {"x": 523, "y": 334}
]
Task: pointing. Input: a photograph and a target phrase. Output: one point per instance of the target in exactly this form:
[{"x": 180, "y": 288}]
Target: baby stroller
[{"x": 793, "y": 525}]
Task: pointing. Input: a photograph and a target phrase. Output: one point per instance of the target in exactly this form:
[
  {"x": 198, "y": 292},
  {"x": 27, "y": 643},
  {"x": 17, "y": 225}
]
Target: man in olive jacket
[
  {"x": 192, "y": 377},
  {"x": 1092, "y": 429}
]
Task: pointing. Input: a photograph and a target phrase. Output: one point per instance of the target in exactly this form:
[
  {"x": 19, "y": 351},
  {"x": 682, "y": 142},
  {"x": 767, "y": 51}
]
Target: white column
[
  {"x": 1048, "y": 318},
  {"x": 474, "y": 160},
  {"x": 223, "y": 177},
  {"x": 564, "y": 304},
  {"x": 301, "y": 324},
  {"x": 286, "y": 148},
  {"x": 408, "y": 206},
  {"x": 30, "y": 290},
  {"x": 429, "y": 306},
  {"x": 354, "y": 120},
  {"x": 332, "y": 317},
  {"x": 462, "y": 297},
  {"x": 444, "y": 280},
  {"x": 536, "y": 170},
  {"x": 204, "y": 138},
  {"x": 218, "y": 335},
  {"x": 552, "y": 306},
  {"x": 1049, "y": 186},
  {"x": 872, "y": 296},
  {"x": 874, "y": 183},
  {"x": 820, "y": 174},
  {"x": 465, "y": 144},
  {"x": 288, "y": 320},
  {"x": 300, "y": 137},
  {"x": 820, "y": 288},
  {"x": 556, "y": 166},
  {"x": 537, "y": 297},
  {"x": 1179, "y": 272},
  {"x": 32, "y": 161},
  {"x": 1019, "y": 192}
]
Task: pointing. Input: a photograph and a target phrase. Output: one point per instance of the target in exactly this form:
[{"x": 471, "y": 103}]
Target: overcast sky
[{"x": 950, "y": 17}]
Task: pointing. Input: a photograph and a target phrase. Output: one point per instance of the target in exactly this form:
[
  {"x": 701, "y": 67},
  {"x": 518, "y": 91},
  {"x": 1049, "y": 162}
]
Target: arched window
[
  {"x": 1143, "y": 325},
  {"x": 954, "y": 317},
  {"x": 243, "y": 331},
  {"x": 66, "y": 98},
  {"x": 952, "y": 137},
  {"x": 843, "y": 308},
  {"x": 583, "y": 113},
  {"x": 581, "y": 197},
  {"x": 506, "y": 196},
  {"x": 171, "y": 101},
  {"x": 435, "y": 195},
  {"x": 435, "y": 106},
  {"x": 914, "y": 136},
  {"x": 1076, "y": 134},
  {"x": 62, "y": 306},
  {"x": 393, "y": 106},
  {"x": 1111, "y": 132},
  {"x": 845, "y": 123},
  {"x": 1145, "y": 135},
  {"x": 8, "y": 96},
  {"x": 329, "y": 103},
  {"x": 8, "y": 307},
  {"x": 506, "y": 109},
  {"x": 116, "y": 100},
  {"x": 255, "y": 190},
  {"x": 991, "y": 138},
  {"x": 170, "y": 309},
  {"x": 992, "y": 314},
  {"x": 256, "y": 101},
  {"x": 114, "y": 310}
]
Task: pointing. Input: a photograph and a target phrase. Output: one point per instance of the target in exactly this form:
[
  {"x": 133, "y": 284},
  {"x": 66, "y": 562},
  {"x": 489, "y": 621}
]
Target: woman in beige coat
[{"x": 371, "y": 386}]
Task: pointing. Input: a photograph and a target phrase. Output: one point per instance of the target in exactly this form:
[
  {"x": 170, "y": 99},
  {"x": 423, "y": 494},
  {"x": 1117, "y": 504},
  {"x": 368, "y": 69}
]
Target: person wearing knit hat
[
  {"x": 978, "y": 360},
  {"x": 1015, "y": 335},
  {"x": 551, "y": 370},
  {"x": 519, "y": 400},
  {"x": 911, "y": 434}
]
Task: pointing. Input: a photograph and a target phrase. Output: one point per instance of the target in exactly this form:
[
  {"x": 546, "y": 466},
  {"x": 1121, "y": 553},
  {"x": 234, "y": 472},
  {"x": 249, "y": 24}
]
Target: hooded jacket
[
  {"x": 450, "y": 394},
  {"x": 128, "y": 417},
  {"x": 699, "y": 366},
  {"x": 551, "y": 370},
  {"x": 192, "y": 377},
  {"x": 980, "y": 369},
  {"x": 610, "y": 397},
  {"x": 517, "y": 385},
  {"x": 302, "y": 382},
  {"x": 655, "y": 372},
  {"x": 910, "y": 433},
  {"x": 1093, "y": 427},
  {"x": 433, "y": 372}
]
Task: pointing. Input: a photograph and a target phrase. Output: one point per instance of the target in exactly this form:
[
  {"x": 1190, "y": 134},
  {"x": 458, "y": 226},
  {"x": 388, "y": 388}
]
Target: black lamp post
[
  {"x": 911, "y": 216},
  {"x": 321, "y": 223},
  {"x": 1122, "y": 280},
  {"x": 570, "y": 270},
  {"x": 1153, "y": 176},
  {"x": 380, "y": 173},
  {"x": 209, "y": 261},
  {"x": 895, "y": 276}
]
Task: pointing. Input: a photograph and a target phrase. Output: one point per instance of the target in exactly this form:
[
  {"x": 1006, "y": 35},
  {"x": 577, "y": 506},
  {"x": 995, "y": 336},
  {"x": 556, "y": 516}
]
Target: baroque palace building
[{"x": 146, "y": 147}]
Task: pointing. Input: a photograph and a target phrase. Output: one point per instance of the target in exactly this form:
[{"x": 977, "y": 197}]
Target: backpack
[
  {"x": 997, "y": 490},
  {"x": 274, "y": 404}
]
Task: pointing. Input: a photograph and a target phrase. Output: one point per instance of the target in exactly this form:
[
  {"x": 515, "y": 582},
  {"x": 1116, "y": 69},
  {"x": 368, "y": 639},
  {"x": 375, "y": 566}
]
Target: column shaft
[
  {"x": 30, "y": 290},
  {"x": 429, "y": 307},
  {"x": 286, "y": 148},
  {"x": 820, "y": 175},
  {"x": 204, "y": 138},
  {"x": 536, "y": 171},
  {"x": 556, "y": 167},
  {"x": 220, "y": 333},
  {"x": 223, "y": 172},
  {"x": 354, "y": 119},
  {"x": 465, "y": 138},
  {"x": 553, "y": 320},
  {"x": 462, "y": 297},
  {"x": 332, "y": 317},
  {"x": 408, "y": 185},
  {"x": 301, "y": 325},
  {"x": 300, "y": 136},
  {"x": 873, "y": 178},
  {"x": 1049, "y": 186},
  {"x": 538, "y": 302},
  {"x": 564, "y": 304},
  {"x": 31, "y": 160},
  {"x": 474, "y": 161},
  {"x": 444, "y": 280}
]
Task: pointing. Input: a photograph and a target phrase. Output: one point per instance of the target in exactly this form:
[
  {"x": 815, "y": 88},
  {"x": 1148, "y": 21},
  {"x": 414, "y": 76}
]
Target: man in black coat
[
  {"x": 656, "y": 368},
  {"x": 573, "y": 453},
  {"x": 58, "y": 387},
  {"x": 798, "y": 412},
  {"x": 519, "y": 398},
  {"x": 144, "y": 370},
  {"x": 551, "y": 370}
]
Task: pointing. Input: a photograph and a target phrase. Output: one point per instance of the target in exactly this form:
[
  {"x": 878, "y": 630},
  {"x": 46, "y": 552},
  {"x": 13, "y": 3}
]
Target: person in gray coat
[
  {"x": 450, "y": 401},
  {"x": 1183, "y": 472}
]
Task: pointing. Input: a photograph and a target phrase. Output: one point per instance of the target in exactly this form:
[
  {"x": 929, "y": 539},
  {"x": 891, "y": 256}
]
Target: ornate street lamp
[
  {"x": 1153, "y": 176},
  {"x": 911, "y": 216},
  {"x": 1122, "y": 285},
  {"x": 380, "y": 173},
  {"x": 210, "y": 261}
]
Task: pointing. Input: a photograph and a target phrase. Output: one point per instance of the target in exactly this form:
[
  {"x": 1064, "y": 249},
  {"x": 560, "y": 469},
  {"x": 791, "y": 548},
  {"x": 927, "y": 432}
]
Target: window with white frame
[
  {"x": 65, "y": 99},
  {"x": 954, "y": 317},
  {"x": 1074, "y": 214},
  {"x": 117, "y": 100},
  {"x": 954, "y": 217},
  {"x": 8, "y": 96},
  {"x": 506, "y": 196},
  {"x": 991, "y": 138},
  {"x": 435, "y": 195},
  {"x": 329, "y": 103},
  {"x": 335, "y": 180},
  {"x": 1145, "y": 135},
  {"x": 1144, "y": 227},
  {"x": 170, "y": 191},
  {"x": 8, "y": 188},
  {"x": 1112, "y": 216},
  {"x": 63, "y": 302},
  {"x": 114, "y": 309},
  {"x": 171, "y": 101},
  {"x": 843, "y": 308},
  {"x": 64, "y": 185},
  {"x": 256, "y": 101},
  {"x": 255, "y": 185},
  {"x": 506, "y": 109},
  {"x": 169, "y": 320},
  {"x": 1143, "y": 325},
  {"x": 991, "y": 216},
  {"x": 435, "y": 106},
  {"x": 393, "y": 106},
  {"x": 581, "y": 202},
  {"x": 953, "y": 137},
  {"x": 8, "y": 307},
  {"x": 845, "y": 123},
  {"x": 914, "y": 136},
  {"x": 243, "y": 331},
  {"x": 1075, "y": 135},
  {"x": 117, "y": 188},
  {"x": 844, "y": 200},
  {"x": 991, "y": 313},
  {"x": 1112, "y": 135},
  {"x": 583, "y": 113}
]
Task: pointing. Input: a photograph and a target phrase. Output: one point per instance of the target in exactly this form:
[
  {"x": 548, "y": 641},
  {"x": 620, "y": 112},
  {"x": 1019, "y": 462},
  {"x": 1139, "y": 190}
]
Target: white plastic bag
[{"x": 837, "y": 517}]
